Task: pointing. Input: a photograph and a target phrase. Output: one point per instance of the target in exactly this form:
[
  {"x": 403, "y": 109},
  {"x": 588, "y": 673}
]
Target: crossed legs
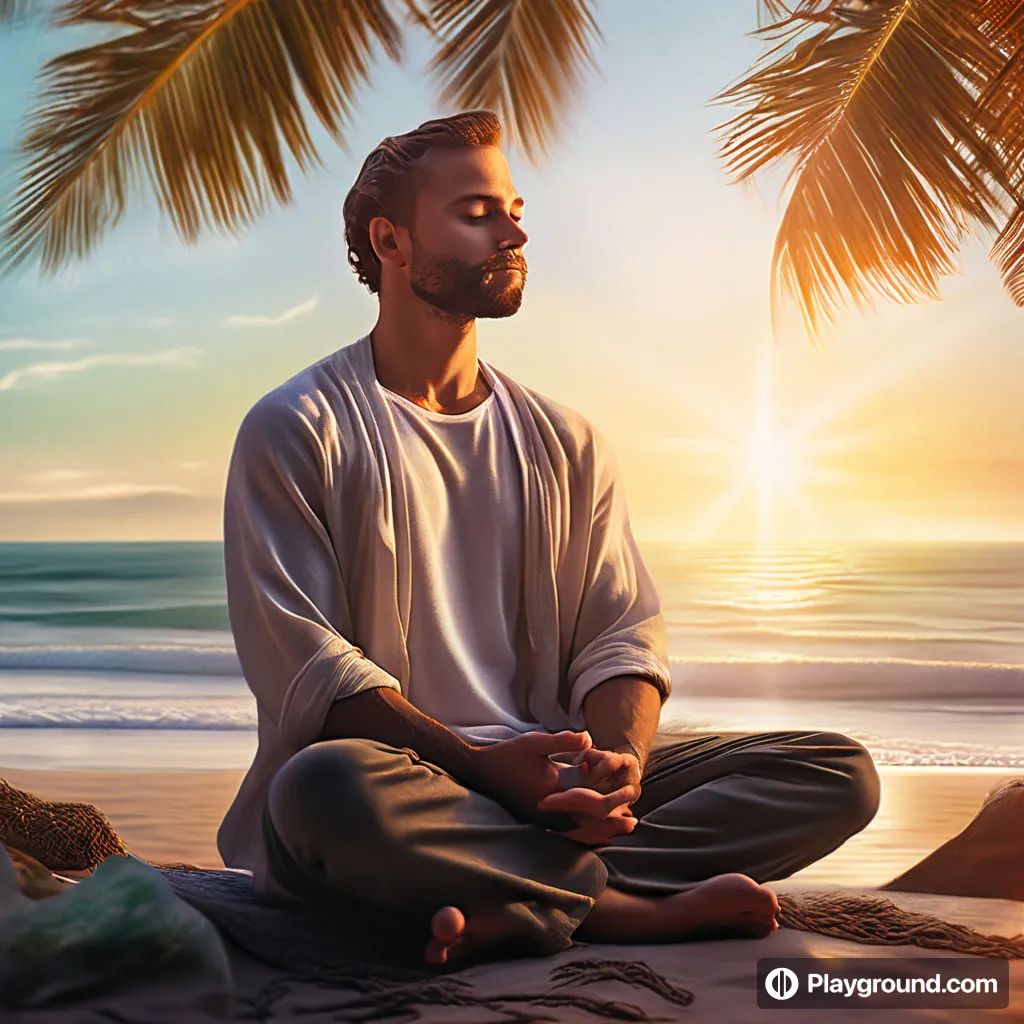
[{"x": 377, "y": 823}]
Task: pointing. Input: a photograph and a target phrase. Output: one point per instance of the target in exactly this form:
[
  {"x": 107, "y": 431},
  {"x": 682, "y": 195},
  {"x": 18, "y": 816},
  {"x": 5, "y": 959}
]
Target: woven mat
[
  {"x": 284, "y": 933},
  {"x": 295, "y": 937}
]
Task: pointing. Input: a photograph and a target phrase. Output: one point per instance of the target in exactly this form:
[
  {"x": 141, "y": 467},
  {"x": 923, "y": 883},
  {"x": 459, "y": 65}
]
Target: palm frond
[
  {"x": 417, "y": 16},
  {"x": 1002, "y": 102},
  {"x": 876, "y": 105},
  {"x": 201, "y": 98},
  {"x": 770, "y": 11},
  {"x": 520, "y": 58},
  {"x": 1008, "y": 255}
]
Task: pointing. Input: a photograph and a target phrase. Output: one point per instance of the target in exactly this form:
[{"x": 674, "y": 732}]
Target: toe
[{"x": 448, "y": 926}]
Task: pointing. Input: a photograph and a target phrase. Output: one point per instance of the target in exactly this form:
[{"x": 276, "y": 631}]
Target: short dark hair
[{"x": 385, "y": 185}]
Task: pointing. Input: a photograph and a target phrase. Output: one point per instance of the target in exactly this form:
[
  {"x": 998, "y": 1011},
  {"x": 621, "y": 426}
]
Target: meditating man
[{"x": 438, "y": 604}]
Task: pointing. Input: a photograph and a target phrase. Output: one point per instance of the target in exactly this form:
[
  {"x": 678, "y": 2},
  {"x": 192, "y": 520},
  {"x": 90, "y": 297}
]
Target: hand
[
  {"x": 598, "y": 817},
  {"x": 616, "y": 776},
  {"x": 518, "y": 773},
  {"x": 608, "y": 770}
]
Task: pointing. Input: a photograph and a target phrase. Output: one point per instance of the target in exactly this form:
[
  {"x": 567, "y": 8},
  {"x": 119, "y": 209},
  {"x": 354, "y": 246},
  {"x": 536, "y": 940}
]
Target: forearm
[
  {"x": 383, "y": 714},
  {"x": 622, "y": 714}
]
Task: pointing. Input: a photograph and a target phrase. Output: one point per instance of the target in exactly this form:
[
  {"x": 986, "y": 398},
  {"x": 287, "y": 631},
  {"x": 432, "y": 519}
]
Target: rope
[{"x": 877, "y": 921}]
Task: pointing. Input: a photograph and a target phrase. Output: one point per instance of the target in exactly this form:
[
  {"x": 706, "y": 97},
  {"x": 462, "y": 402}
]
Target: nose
[{"x": 515, "y": 237}]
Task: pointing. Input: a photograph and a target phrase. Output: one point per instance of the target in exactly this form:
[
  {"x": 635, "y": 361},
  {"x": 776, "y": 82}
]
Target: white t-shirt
[
  {"x": 464, "y": 498},
  {"x": 318, "y": 568}
]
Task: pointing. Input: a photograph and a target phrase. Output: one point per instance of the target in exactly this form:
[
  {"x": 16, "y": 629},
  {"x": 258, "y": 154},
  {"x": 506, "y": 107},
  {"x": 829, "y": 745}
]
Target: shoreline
[{"x": 173, "y": 816}]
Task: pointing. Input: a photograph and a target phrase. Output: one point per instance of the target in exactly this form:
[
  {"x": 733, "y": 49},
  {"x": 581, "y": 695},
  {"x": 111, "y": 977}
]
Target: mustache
[{"x": 509, "y": 263}]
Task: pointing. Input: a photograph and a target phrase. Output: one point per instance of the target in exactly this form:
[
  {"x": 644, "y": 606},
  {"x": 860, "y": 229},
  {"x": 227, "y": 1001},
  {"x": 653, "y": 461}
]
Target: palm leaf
[
  {"x": 769, "y": 11},
  {"x": 199, "y": 97},
  {"x": 1008, "y": 255},
  {"x": 521, "y": 58},
  {"x": 876, "y": 104},
  {"x": 1003, "y": 22}
]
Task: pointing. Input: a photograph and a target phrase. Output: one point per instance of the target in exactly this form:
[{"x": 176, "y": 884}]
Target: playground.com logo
[
  {"x": 896, "y": 983},
  {"x": 782, "y": 983}
]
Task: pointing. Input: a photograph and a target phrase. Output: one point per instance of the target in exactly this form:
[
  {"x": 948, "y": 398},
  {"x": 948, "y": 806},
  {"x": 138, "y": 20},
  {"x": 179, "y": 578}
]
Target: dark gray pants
[{"x": 362, "y": 821}]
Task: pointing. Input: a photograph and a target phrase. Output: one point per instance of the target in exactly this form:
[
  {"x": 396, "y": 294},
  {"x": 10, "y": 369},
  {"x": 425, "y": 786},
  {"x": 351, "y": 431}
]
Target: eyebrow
[{"x": 487, "y": 198}]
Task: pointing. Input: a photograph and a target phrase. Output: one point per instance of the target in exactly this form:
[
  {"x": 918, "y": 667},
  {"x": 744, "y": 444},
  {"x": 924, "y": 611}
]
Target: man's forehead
[{"x": 467, "y": 172}]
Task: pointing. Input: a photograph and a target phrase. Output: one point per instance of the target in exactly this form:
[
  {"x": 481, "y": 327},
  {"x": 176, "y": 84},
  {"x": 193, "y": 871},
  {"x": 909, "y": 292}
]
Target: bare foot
[
  {"x": 724, "y": 907},
  {"x": 455, "y": 937},
  {"x": 448, "y": 926},
  {"x": 983, "y": 860}
]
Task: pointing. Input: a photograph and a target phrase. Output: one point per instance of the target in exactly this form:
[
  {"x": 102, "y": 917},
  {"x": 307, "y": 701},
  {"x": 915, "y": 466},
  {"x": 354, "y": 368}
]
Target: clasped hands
[{"x": 526, "y": 779}]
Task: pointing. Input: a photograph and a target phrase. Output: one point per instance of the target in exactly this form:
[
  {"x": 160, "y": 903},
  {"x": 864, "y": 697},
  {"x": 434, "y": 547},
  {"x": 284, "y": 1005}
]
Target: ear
[{"x": 387, "y": 243}]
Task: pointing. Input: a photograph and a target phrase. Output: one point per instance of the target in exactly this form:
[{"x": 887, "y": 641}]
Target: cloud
[
  {"x": 101, "y": 492},
  {"x": 140, "y": 513},
  {"x": 184, "y": 357},
  {"x": 160, "y": 321},
  {"x": 259, "y": 320},
  {"x": 59, "y": 476},
  {"x": 21, "y": 344}
]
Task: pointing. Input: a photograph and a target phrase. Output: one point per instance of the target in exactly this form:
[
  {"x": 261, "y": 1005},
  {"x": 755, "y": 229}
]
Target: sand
[{"x": 173, "y": 816}]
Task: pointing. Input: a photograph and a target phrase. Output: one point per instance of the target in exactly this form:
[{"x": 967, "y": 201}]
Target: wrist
[{"x": 473, "y": 765}]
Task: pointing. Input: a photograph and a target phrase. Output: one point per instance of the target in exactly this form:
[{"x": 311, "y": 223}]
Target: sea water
[{"x": 119, "y": 656}]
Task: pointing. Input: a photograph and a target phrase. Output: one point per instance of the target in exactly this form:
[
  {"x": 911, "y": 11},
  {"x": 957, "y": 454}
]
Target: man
[{"x": 434, "y": 590}]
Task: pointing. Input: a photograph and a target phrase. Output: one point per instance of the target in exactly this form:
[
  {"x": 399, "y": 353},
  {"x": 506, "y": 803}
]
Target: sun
[
  {"x": 774, "y": 462},
  {"x": 773, "y": 466},
  {"x": 783, "y": 469}
]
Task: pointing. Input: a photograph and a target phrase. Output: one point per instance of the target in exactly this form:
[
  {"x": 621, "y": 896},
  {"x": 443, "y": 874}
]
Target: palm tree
[
  {"x": 205, "y": 101},
  {"x": 903, "y": 125},
  {"x": 901, "y": 120}
]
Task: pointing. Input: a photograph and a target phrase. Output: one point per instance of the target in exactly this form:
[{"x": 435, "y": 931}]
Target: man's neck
[{"x": 434, "y": 365}]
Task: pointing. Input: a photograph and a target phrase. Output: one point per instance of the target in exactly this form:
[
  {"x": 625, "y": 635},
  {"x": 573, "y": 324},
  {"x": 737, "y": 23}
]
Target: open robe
[{"x": 317, "y": 558}]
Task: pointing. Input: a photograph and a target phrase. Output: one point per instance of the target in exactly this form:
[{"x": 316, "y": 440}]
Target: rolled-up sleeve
[
  {"x": 620, "y": 629},
  {"x": 286, "y": 596}
]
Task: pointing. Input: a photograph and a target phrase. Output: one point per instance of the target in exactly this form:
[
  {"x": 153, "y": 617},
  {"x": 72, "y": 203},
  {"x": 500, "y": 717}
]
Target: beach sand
[
  {"x": 173, "y": 816},
  {"x": 167, "y": 817}
]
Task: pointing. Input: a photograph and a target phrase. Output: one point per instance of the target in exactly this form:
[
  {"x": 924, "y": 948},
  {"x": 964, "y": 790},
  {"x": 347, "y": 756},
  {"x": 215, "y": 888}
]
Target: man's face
[{"x": 467, "y": 257}]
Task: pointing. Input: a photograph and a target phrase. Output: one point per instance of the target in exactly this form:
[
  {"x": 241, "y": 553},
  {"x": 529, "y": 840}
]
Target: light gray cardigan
[{"x": 317, "y": 555}]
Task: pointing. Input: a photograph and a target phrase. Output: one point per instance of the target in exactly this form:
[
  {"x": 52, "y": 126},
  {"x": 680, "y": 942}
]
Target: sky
[{"x": 124, "y": 379}]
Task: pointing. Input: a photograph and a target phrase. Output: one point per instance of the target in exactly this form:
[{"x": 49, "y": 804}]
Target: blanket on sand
[
  {"x": 383, "y": 975},
  {"x": 292, "y": 963}
]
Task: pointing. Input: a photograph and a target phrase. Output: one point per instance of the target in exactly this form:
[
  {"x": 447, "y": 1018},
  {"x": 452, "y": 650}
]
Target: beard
[{"x": 468, "y": 290}]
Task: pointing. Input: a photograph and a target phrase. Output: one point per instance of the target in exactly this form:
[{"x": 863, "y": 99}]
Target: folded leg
[
  {"x": 366, "y": 821},
  {"x": 761, "y": 804}
]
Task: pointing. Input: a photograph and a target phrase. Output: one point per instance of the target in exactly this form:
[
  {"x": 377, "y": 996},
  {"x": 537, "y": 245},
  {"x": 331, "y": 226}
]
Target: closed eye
[{"x": 484, "y": 216}]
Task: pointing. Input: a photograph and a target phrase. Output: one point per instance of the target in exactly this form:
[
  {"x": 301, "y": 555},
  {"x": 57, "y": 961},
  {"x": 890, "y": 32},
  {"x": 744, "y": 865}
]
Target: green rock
[{"x": 120, "y": 928}]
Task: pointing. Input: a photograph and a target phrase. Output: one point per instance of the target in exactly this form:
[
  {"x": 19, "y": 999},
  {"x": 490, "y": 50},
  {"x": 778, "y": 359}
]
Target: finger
[
  {"x": 596, "y": 756},
  {"x": 560, "y": 742},
  {"x": 622, "y": 795},
  {"x": 584, "y": 801},
  {"x": 604, "y": 768},
  {"x": 606, "y": 786},
  {"x": 587, "y": 801},
  {"x": 597, "y": 832},
  {"x": 609, "y": 828}
]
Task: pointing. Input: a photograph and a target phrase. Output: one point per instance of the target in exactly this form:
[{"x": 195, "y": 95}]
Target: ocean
[{"x": 119, "y": 656}]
